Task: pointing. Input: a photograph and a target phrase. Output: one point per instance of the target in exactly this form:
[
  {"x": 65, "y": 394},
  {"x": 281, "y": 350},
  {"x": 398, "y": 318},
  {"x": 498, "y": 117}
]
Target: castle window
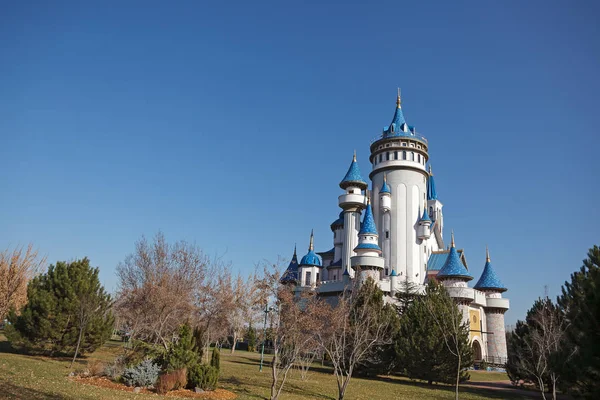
[
  {"x": 307, "y": 279},
  {"x": 387, "y": 156},
  {"x": 334, "y": 277},
  {"x": 412, "y": 156},
  {"x": 380, "y": 157},
  {"x": 404, "y": 155},
  {"x": 387, "y": 271},
  {"x": 419, "y": 157},
  {"x": 404, "y": 144},
  {"x": 395, "y": 155},
  {"x": 387, "y": 234},
  {"x": 317, "y": 277}
]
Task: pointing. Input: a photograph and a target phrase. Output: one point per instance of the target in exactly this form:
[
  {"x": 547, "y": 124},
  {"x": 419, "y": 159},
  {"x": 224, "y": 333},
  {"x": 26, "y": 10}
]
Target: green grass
[
  {"x": 33, "y": 377},
  {"x": 485, "y": 376}
]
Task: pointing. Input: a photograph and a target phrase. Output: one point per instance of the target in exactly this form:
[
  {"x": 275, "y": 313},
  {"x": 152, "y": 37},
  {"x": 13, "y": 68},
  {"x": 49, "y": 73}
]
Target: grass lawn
[{"x": 32, "y": 377}]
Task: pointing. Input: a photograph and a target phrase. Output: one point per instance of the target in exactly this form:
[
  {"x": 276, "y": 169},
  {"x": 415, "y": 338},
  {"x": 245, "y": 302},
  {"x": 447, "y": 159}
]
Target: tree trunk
[
  {"x": 342, "y": 390},
  {"x": 457, "y": 375},
  {"x": 274, "y": 376},
  {"x": 78, "y": 343},
  {"x": 542, "y": 389},
  {"x": 234, "y": 343}
]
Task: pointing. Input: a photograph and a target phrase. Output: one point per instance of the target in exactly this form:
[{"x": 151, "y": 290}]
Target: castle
[{"x": 401, "y": 239}]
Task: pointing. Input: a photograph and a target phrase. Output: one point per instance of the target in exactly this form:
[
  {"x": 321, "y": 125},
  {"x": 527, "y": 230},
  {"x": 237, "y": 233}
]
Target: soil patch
[{"x": 218, "y": 394}]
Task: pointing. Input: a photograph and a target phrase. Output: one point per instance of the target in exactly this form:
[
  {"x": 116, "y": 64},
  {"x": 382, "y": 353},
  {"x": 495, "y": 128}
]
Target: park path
[{"x": 507, "y": 386}]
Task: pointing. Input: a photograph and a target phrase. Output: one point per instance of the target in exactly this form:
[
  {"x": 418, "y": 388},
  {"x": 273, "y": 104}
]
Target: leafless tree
[
  {"x": 245, "y": 298},
  {"x": 17, "y": 267},
  {"x": 158, "y": 286},
  {"x": 351, "y": 329}
]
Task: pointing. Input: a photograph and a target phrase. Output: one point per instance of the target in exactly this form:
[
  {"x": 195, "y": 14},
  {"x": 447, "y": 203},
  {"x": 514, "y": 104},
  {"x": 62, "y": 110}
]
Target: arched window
[
  {"x": 387, "y": 156},
  {"x": 412, "y": 156},
  {"x": 404, "y": 155},
  {"x": 395, "y": 155}
]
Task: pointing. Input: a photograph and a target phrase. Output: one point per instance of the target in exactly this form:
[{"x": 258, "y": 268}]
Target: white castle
[{"x": 401, "y": 239}]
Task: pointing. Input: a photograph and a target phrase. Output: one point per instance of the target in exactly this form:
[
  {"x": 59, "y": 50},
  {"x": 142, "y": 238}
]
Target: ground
[{"x": 33, "y": 377}]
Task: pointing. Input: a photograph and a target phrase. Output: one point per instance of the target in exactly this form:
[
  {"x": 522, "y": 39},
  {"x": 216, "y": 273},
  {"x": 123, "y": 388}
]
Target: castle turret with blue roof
[
  {"x": 368, "y": 262},
  {"x": 490, "y": 284},
  {"x": 309, "y": 271},
  {"x": 290, "y": 276}
]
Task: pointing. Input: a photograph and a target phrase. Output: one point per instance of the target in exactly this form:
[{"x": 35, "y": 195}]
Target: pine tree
[
  {"x": 182, "y": 353},
  {"x": 215, "y": 360},
  {"x": 67, "y": 312},
  {"x": 580, "y": 301},
  {"x": 251, "y": 337}
]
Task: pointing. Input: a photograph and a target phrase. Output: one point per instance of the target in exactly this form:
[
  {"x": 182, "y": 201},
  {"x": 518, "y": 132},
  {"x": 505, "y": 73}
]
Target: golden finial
[
  {"x": 354, "y": 157},
  {"x": 398, "y": 99},
  {"x": 487, "y": 254},
  {"x": 452, "y": 240},
  {"x": 368, "y": 196},
  {"x": 311, "y": 246},
  {"x": 385, "y": 177}
]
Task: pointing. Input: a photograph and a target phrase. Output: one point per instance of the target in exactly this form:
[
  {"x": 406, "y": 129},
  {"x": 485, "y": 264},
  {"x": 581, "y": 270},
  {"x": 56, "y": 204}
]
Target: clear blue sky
[{"x": 121, "y": 120}]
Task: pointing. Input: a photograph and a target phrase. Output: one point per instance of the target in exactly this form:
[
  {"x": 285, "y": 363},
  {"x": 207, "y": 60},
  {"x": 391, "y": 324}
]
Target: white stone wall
[{"x": 496, "y": 342}]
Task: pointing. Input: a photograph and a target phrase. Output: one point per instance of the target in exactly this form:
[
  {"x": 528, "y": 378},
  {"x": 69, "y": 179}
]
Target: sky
[{"x": 230, "y": 125}]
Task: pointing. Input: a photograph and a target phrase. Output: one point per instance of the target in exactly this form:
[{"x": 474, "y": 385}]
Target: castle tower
[
  {"x": 434, "y": 205},
  {"x": 385, "y": 205},
  {"x": 368, "y": 260},
  {"x": 424, "y": 228},
  {"x": 496, "y": 306},
  {"x": 399, "y": 156},
  {"x": 454, "y": 276},
  {"x": 352, "y": 202},
  {"x": 309, "y": 271}
]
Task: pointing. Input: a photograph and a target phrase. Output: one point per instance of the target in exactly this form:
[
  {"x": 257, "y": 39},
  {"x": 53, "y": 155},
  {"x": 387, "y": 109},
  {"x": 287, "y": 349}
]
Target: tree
[
  {"x": 580, "y": 301},
  {"x": 293, "y": 324},
  {"x": 535, "y": 347},
  {"x": 251, "y": 337},
  {"x": 159, "y": 285},
  {"x": 353, "y": 328},
  {"x": 17, "y": 267},
  {"x": 453, "y": 330},
  {"x": 68, "y": 311}
]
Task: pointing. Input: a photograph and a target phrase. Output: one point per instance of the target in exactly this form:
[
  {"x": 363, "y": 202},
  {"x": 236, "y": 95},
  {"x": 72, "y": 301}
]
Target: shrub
[
  {"x": 115, "y": 369},
  {"x": 215, "y": 360},
  {"x": 144, "y": 374},
  {"x": 172, "y": 381},
  {"x": 203, "y": 376},
  {"x": 181, "y": 354},
  {"x": 96, "y": 367}
]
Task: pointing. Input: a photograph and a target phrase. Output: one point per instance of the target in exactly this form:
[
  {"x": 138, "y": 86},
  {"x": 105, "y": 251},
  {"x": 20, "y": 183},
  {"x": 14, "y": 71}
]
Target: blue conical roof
[
  {"x": 385, "y": 188},
  {"x": 398, "y": 126},
  {"x": 338, "y": 222},
  {"x": 431, "y": 192},
  {"x": 425, "y": 216},
  {"x": 311, "y": 258},
  {"x": 489, "y": 280},
  {"x": 368, "y": 225},
  {"x": 453, "y": 267},
  {"x": 291, "y": 273},
  {"x": 353, "y": 176}
]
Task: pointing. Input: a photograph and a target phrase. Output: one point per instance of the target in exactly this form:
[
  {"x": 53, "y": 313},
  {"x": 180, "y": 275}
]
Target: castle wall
[{"x": 496, "y": 342}]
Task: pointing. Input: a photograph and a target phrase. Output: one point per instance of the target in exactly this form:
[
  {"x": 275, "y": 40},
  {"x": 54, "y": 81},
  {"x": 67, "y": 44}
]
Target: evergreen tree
[
  {"x": 580, "y": 301},
  {"x": 182, "y": 353},
  {"x": 215, "y": 360},
  {"x": 406, "y": 295},
  {"x": 251, "y": 337},
  {"x": 67, "y": 312},
  {"x": 422, "y": 353}
]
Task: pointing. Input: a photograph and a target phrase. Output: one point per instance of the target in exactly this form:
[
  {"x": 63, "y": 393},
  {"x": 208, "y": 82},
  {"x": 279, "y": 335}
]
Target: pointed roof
[
  {"x": 368, "y": 225},
  {"x": 394, "y": 273},
  {"x": 425, "y": 216},
  {"x": 346, "y": 272},
  {"x": 398, "y": 126},
  {"x": 353, "y": 176},
  {"x": 311, "y": 258},
  {"x": 489, "y": 280},
  {"x": 431, "y": 192},
  {"x": 453, "y": 267},
  {"x": 291, "y": 273},
  {"x": 385, "y": 188},
  {"x": 338, "y": 223}
]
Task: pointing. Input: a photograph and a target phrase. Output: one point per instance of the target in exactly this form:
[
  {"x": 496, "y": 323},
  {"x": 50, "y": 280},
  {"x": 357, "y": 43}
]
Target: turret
[
  {"x": 352, "y": 202},
  {"x": 290, "y": 276},
  {"x": 385, "y": 196},
  {"x": 310, "y": 267},
  {"x": 496, "y": 306},
  {"x": 393, "y": 283},
  {"x": 368, "y": 259},
  {"x": 424, "y": 228},
  {"x": 434, "y": 205},
  {"x": 454, "y": 276}
]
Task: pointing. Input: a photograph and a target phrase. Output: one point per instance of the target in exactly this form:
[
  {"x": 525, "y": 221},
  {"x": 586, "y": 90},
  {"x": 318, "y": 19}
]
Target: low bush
[
  {"x": 96, "y": 367},
  {"x": 144, "y": 374},
  {"x": 203, "y": 376},
  {"x": 115, "y": 369},
  {"x": 172, "y": 381}
]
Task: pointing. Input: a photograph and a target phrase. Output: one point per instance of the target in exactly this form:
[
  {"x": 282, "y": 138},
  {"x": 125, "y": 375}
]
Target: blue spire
[
  {"x": 353, "y": 176},
  {"x": 346, "y": 272},
  {"x": 368, "y": 225},
  {"x": 398, "y": 125},
  {"x": 431, "y": 192},
  {"x": 425, "y": 216},
  {"x": 291, "y": 273},
  {"x": 311, "y": 258},
  {"x": 385, "y": 188},
  {"x": 338, "y": 222},
  {"x": 453, "y": 267},
  {"x": 393, "y": 273},
  {"x": 489, "y": 280}
]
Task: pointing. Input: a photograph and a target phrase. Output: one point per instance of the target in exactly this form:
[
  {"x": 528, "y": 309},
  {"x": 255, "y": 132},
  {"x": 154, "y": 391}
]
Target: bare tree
[
  {"x": 244, "y": 299},
  {"x": 352, "y": 328},
  {"x": 294, "y": 322},
  {"x": 158, "y": 286},
  {"x": 17, "y": 267}
]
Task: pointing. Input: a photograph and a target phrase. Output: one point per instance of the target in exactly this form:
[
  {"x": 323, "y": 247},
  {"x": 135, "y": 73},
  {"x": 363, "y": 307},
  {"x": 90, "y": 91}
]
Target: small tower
[
  {"x": 385, "y": 196},
  {"x": 434, "y": 205},
  {"x": 454, "y": 276},
  {"x": 385, "y": 221},
  {"x": 290, "y": 276},
  {"x": 496, "y": 306},
  {"x": 424, "y": 229},
  {"x": 310, "y": 266},
  {"x": 334, "y": 271},
  {"x": 368, "y": 260},
  {"x": 393, "y": 283},
  {"x": 352, "y": 202}
]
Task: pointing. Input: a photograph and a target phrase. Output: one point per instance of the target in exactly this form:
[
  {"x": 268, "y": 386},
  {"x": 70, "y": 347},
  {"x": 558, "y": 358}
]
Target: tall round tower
[
  {"x": 352, "y": 202},
  {"x": 368, "y": 262},
  {"x": 399, "y": 157},
  {"x": 496, "y": 306}
]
